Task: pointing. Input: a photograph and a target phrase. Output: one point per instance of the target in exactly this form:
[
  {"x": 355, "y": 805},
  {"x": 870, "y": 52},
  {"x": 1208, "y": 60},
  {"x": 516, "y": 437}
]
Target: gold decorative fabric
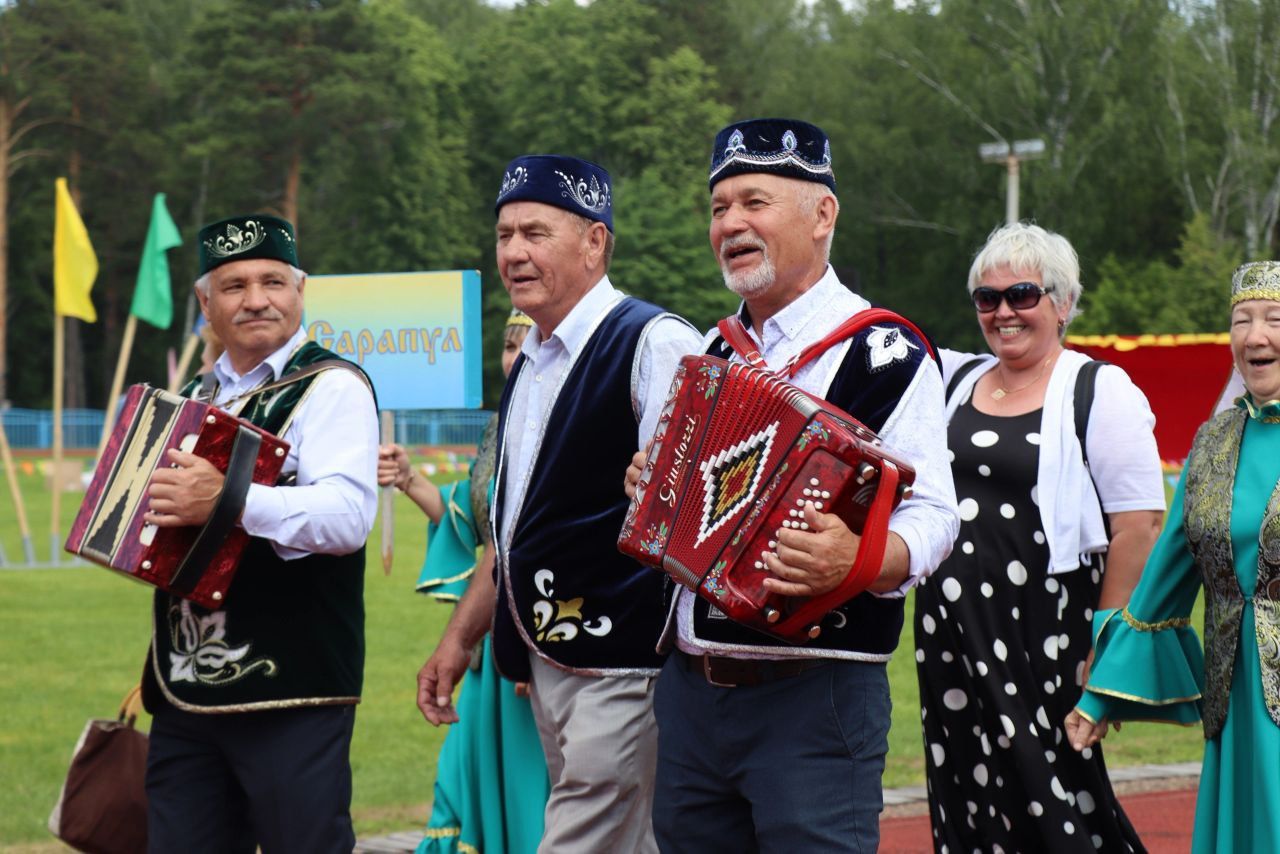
[{"x": 1211, "y": 470}]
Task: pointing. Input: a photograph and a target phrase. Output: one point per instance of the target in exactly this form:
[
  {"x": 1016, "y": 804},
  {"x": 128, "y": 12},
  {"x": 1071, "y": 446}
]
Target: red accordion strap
[
  {"x": 866, "y": 566},
  {"x": 736, "y": 336}
]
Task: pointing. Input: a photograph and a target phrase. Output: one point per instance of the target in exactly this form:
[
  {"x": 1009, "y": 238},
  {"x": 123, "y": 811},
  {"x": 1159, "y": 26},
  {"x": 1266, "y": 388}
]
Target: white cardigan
[{"x": 1122, "y": 454}]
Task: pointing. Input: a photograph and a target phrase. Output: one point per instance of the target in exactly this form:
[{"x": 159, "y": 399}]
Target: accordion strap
[
  {"x": 866, "y": 566},
  {"x": 736, "y": 336}
]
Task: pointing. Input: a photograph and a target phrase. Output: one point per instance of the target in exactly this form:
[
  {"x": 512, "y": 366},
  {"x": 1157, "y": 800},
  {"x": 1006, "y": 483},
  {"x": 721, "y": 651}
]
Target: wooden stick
[
  {"x": 117, "y": 382},
  {"x": 59, "y": 355},
  {"x": 16, "y": 492},
  {"x": 388, "y": 496},
  {"x": 179, "y": 377}
]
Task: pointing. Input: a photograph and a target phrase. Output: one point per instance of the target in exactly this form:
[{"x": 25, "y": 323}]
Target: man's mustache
[{"x": 265, "y": 314}]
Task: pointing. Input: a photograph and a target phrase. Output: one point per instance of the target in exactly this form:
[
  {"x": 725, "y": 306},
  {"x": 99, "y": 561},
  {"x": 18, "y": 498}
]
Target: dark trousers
[
  {"x": 277, "y": 779},
  {"x": 790, "y": 765}
]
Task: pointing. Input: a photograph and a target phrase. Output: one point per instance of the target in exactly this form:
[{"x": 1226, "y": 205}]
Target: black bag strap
[
  {"x": 1086, "y": 380},
  {"x": 961, "y": 372}
]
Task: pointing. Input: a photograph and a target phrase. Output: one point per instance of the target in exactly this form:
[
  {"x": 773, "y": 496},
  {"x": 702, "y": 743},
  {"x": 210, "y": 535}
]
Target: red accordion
[
  {"x": 736, "y": 454},
  {"x": 194, "y": 562}
]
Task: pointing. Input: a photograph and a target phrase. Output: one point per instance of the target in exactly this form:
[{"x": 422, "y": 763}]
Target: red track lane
[{"x": 1163, "y": 821}]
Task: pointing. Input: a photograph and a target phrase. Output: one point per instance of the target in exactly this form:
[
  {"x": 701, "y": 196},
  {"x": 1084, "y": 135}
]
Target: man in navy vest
[
  {"x": 765, "y": 746},
  {"x": 573, "y": 617},
  {"x": 254, "y": 703}
]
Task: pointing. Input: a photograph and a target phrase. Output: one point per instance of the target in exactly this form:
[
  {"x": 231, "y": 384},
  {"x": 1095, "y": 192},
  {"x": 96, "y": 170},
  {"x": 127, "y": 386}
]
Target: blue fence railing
[{"x": 32, "y": 429}]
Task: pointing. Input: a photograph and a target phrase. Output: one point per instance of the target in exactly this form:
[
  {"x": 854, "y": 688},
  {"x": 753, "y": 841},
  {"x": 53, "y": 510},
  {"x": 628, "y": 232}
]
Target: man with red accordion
[
  {"x": 574, "y": 618},
  {"x": 254, "y": 703},
  {"x": 762, "y": 744}
]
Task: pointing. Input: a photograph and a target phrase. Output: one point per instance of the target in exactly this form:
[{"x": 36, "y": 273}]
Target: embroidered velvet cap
[
  {"x": 786, "y": 147},
  {"x": 578, "y": 186},
  {"x": 1256, "y": 280},
  {"x": 242, "y": 237}
]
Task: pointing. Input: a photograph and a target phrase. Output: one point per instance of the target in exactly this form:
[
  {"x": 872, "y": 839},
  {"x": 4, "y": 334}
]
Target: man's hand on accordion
[
  {"x": 185, "y": 493},
  {"x": 814, "y": 562}
]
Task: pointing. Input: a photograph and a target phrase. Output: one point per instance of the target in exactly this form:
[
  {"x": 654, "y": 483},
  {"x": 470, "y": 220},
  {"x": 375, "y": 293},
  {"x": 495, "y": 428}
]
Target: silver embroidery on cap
[
  {"x": 593, "y": 197},
  {"x": 236, "y": 240},
  {"x": 736, "y": 152},
  {"x": 513, "y": 179}
]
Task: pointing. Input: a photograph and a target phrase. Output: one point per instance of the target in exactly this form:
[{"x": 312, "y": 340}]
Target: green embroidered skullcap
[
  {"x": 1256, "y": 280},
  {"x": 240, "y": 238}
]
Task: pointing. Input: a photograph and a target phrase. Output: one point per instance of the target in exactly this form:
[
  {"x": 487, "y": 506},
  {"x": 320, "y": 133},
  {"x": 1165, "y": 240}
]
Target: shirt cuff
[
  {"x": 915, "y": 565},
  {"x": 264, "y": 507}
]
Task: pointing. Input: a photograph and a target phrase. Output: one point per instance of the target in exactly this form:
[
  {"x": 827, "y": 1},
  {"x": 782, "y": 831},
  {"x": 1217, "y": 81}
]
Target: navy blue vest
[
  {"x": 865, "y": 624},
  {"x": 564, "y": 590}
]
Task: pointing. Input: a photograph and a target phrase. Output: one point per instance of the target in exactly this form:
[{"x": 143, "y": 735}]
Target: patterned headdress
[
  {"x": 242, "y": 237},
  {"x": 1256, "y": 280},
  {"x": 786, "y": 147},
  {"x": 578, "y": 186},
  {"x": 518, "y": 318}
]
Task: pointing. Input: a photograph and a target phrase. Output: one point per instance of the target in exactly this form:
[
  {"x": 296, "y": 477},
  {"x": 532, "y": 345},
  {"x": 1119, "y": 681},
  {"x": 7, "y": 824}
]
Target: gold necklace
[{"x": 1001, "y": 393}]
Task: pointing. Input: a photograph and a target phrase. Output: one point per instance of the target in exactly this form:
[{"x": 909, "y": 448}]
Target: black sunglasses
[{"x": 1020, "y": 297}]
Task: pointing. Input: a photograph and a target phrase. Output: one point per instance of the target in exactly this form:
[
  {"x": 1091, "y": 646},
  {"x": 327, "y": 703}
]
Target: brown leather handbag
[{"x": 103, "y": 805}]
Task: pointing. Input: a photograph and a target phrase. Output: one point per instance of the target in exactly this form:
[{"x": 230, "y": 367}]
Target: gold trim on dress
[
  {"x": 442, "y": 832},
  {"x": 1141, "y": 626},
  {"x": 1134, "y": 698}
]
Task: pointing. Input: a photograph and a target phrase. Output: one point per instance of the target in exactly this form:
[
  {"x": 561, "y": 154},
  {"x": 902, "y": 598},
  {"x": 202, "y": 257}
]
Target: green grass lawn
[{"x": 72, "y": 643}]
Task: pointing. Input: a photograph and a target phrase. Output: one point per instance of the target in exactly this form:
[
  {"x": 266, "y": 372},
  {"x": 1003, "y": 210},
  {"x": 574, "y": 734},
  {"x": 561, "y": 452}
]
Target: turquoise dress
[
  {"x": 1149, "y": 664},
  {"x": 491, "y": 777}
]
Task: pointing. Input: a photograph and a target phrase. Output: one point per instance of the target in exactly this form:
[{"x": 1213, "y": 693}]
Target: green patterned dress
[{"x": 1150, "y": 666}]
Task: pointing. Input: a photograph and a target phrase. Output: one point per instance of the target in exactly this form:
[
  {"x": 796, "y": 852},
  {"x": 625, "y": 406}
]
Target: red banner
[{"x": 1181, "y": 375}]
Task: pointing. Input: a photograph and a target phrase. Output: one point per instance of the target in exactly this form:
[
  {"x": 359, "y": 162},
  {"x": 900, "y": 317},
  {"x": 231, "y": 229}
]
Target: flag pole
[
  {"x": 59, "y": 349},
  {"x": 184, "y": 364},
  {"x": 388, "y": 496},
  {"x": 15, "y": 491},
  {"x": 117, "y": 382}
]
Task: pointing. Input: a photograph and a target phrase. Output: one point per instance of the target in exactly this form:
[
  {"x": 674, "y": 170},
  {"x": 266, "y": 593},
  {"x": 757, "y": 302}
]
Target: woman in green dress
[
  {"x": 1222, "y": 534},
  {"x": 491, "y": 777}
]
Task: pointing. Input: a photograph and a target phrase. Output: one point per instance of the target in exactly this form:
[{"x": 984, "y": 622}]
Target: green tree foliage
[
  {"x": 1134, "y": 297},
  {"x": 383, "y": 127}
]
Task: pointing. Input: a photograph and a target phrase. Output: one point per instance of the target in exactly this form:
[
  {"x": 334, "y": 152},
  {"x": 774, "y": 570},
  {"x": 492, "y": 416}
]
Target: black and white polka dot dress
[{"x": 1000, "y": 646}]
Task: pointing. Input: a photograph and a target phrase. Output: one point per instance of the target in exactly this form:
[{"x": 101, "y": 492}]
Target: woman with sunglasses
[
  {"x": 1002, "y": 627},
  {"x": 1222, "y": 536}
]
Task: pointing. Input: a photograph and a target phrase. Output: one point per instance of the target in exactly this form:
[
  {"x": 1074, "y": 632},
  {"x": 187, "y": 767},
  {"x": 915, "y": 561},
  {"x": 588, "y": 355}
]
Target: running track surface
[{"x": 1163, "y": 821}]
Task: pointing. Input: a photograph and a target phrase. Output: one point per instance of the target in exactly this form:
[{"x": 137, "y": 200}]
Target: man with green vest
[{"x": 254, "y": 703}]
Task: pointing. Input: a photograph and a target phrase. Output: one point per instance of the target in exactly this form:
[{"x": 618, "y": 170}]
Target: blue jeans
[{"x": 790, "y": 765}]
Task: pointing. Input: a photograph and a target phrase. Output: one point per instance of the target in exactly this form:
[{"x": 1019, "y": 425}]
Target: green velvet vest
[
  {"x": 291, "y": 632},
  {"x": 1211, "y": 470}
]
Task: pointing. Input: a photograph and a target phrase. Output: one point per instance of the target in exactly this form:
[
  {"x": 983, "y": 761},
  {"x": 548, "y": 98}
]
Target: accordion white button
[
  {"x": 808, "y": 491},
  {"x": 759, "y": 565},
  {"x": 813, "y": 481},
  {"x": 826, "y": 494},
  {"x": 773, "y": 544},
  {"x": 209, "y": 419},
  {"x": 804, "y": 526},
  {"x": 217, "y": 596},
  {"x": 146, "y": 564},
  {"x": 279, "y": 452}
]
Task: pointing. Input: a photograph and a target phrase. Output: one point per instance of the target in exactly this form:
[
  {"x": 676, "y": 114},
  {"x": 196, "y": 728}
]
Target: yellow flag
[{"x": 75, "y": 265}]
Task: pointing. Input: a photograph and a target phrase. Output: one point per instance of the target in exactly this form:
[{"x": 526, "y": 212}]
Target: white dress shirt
[
  {"x": 333, "y": 448},
  {"x": 548, "y": 363},
  {"x": 928, "y": 522}
]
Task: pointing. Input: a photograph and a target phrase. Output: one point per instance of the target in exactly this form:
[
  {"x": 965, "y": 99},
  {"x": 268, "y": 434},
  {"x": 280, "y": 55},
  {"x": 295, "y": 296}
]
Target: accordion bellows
[
  {"x": 195, "y": 562},
  {"x": 735, "y": 456}
]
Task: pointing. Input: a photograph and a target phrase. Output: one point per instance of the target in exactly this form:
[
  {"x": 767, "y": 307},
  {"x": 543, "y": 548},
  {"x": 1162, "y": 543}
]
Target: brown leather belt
[{"x": 745, "y": 672}]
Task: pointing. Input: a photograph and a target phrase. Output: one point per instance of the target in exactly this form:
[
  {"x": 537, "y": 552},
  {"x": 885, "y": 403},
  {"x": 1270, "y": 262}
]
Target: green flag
[{"x": 153, "y": 295}]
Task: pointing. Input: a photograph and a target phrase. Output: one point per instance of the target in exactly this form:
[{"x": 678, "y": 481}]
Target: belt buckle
[{"x": 706, "y": 672}]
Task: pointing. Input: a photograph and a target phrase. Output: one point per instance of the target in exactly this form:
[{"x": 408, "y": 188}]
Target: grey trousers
[{"x": 601, "y": 744}]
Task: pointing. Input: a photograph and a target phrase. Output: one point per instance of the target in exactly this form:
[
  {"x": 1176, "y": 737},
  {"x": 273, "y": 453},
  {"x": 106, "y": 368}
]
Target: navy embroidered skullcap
[
  {"x": 786, "y": 147},
  {"x": 240, "y": 238},
  {"x": 578, "y": 186}
]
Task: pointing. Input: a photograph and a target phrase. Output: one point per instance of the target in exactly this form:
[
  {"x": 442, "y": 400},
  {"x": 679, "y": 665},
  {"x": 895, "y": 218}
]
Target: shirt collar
[
  {"x": 227, "y": 376},
  {"x": 1267, "y": 413},
  {"x": 798, "y": 315},
  {"x": 572, "y": 332}
]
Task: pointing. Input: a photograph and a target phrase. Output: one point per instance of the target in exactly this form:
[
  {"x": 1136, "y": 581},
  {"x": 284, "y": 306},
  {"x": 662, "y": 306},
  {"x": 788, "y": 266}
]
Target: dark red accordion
[
  {"x": 194, "y": 562},
  {"x": 736, "y": 454}
]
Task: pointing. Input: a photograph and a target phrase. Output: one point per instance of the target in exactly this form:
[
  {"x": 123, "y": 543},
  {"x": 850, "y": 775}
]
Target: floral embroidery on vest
[
  {"x": 557, "y": 620},
  {"x": 201, "y": 653}
]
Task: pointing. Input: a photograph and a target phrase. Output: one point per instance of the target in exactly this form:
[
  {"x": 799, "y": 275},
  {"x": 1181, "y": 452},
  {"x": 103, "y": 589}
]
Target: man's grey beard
[{"x": 748, "y": 283}]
